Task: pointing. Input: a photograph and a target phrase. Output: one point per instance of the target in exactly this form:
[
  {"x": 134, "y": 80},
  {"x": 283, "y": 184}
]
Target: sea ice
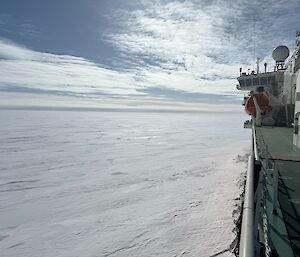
[{"x": 118, "y": 183}]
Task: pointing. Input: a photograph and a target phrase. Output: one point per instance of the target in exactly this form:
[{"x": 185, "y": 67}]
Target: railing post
[
  {"x": 258, "y": 212},
  {"x": 296, "y": 123},
  {"x": 275, "y": 193}
]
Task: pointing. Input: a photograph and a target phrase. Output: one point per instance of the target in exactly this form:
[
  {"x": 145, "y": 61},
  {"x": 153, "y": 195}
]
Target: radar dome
[{"x": 280, "y": 53}]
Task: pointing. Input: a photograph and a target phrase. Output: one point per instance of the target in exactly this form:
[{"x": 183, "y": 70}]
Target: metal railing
[
  {"x": 247, "y": 232},
  {"x": 254, "y": 145},
  {"x": 252, "y": 209}
]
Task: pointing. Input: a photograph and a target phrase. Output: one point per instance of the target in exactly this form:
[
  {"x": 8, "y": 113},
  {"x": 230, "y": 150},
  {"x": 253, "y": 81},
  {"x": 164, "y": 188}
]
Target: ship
[{"x": 270, "y": 218}]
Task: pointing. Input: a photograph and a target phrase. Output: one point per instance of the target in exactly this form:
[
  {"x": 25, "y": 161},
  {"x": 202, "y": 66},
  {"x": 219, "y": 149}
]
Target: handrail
[
  {"x": 247, "y": 232},
  {"x": 254, "y": 145}
]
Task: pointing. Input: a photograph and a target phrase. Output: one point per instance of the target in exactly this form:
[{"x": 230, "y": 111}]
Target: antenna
[
  {"x": 254, "y": 40},
  {"x": 257, "y": 65},
  {"x": 265, "y": 64}
]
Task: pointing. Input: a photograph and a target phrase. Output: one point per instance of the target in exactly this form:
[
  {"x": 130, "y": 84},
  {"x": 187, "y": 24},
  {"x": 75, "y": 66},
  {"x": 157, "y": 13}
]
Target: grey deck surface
[
  {"x": 277, "y": 143},
  {"x": 289, "y": 199}
]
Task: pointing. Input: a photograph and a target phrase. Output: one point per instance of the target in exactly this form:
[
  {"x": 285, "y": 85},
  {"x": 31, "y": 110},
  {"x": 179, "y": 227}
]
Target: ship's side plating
[{"x": 271, "y": 209}]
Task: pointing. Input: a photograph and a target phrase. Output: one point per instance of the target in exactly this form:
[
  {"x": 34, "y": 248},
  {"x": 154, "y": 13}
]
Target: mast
[{"x": 257, "y": 65}]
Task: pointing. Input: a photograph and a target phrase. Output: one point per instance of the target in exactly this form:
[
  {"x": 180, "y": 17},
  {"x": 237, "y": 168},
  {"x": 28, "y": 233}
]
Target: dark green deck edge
[
  {"x": 284, "y": 227},
  {"x": 289, "y": 198},
  {"x": 277, "y": 228}
]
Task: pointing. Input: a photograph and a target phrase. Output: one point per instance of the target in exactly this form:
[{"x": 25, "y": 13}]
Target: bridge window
[
  {"x": 263, "y": 81},
  {"x": 271, "y": 79},
  {"x": 248, "y": 82},
  {"x": 255, "y": 82}
]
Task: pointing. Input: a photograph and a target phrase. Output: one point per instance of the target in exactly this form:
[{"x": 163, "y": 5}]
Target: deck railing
[{"x": 247, "y": 232}]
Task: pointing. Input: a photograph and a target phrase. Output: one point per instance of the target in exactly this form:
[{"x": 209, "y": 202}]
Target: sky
[{"x": 155, "y": 54}]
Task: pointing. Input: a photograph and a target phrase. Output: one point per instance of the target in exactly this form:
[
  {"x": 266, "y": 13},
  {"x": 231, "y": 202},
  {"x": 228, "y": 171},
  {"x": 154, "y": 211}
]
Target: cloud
[
  {"x": 172, "y": 51},
  {"x": 20, "y": 66},
  {"x": 26, "y": 71},
  {"x": 29, "y": 29},
  {"x": 204, "y": 39},
  {"x": 179, "y": 38}
]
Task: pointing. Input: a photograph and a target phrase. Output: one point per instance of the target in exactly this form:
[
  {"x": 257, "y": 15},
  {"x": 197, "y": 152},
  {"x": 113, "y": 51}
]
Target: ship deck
[{"x": 275, "y": 143}]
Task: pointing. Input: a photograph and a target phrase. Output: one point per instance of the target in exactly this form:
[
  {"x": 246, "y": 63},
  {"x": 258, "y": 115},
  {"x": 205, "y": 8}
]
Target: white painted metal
[
  {"x": 296, "y": 138},
  {"x": 254, "y": 145},
  {"x": 280, "y": 53},
  {"x": 247, "y": 232},
  {"x": 258, "y": 112}
]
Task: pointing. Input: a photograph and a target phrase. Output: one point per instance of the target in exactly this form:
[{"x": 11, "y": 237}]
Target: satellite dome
[{"x": 280, "y": 53}]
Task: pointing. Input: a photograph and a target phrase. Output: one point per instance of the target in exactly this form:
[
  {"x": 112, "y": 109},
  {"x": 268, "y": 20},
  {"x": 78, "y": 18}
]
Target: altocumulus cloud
[
  {"x": 168, "y": 51},
  {"x": 205, "y": 40}
]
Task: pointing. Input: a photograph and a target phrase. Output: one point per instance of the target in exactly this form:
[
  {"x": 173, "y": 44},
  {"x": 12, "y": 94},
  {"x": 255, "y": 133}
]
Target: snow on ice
[{"x": 119, "y": 183}]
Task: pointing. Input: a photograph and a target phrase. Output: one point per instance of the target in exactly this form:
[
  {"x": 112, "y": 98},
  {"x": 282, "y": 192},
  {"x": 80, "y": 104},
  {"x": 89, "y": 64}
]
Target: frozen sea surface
[{"x": 118, "y": 183}]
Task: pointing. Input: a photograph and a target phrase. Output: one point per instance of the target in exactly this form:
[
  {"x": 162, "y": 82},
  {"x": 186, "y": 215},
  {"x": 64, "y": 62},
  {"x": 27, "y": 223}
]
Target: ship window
[
  {"x": 255, "y": 82},
  {"x": 280, "y": 78},
  {"x": 242, "y": 83},
  {"x": 271, "y": 79},
  {"x": 263, "y": 81},
  {"x": 248, "y": 82}
]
